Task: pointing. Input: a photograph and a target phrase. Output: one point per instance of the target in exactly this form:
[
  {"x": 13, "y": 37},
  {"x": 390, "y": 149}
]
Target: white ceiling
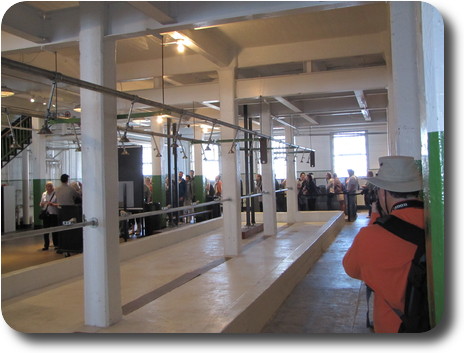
[{"x": 319, "y": 64}]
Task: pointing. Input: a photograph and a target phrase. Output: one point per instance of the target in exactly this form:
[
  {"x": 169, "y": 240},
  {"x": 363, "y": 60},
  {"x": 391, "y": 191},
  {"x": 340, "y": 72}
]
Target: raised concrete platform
[{"x": 188, "y": 286}]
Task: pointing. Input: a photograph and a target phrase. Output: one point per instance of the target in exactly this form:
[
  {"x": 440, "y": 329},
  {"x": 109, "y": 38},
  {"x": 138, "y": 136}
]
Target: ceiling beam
[
  {"x": 212, "y": 44},
  {"x": 153, "y": 11},
  {"x": 210, "y": 104},
  {"x": 361, "y": 98},
  {"x": 294, "y": 108}
]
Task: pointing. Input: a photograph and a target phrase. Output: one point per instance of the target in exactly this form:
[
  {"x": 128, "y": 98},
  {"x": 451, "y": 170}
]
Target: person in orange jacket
[{"x": 379, "y": 258}]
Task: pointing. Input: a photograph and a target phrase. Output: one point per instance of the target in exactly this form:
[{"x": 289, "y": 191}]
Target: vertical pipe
[
  {"x": 169, "y": 162},
  {"x": 26, "y": 191},
  {"x": 247, "y": 171},
  {"x": 252, "y": 183},
  {"x": 176, "y": 182}
]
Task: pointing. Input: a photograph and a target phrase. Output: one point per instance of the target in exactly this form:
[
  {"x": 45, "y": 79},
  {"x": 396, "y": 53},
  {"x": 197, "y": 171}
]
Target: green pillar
[
  {"x": 431, "y": 80},
  {"x": 435, "y": 210}
]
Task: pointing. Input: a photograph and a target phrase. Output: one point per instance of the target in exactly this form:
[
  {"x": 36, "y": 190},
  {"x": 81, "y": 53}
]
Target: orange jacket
[{"x": 382, "y": 260}]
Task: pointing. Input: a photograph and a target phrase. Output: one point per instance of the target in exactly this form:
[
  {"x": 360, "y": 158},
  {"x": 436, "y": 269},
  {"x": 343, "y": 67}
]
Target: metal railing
[{"x": 68, "y": 225}]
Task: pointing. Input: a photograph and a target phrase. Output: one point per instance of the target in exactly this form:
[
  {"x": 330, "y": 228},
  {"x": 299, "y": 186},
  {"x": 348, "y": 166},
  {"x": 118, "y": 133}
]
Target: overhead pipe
[{"x": 59, "y": 77}]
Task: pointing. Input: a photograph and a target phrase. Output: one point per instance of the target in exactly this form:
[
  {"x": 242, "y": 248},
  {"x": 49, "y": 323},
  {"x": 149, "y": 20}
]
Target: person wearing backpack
[{"x": 385, "y": 253}]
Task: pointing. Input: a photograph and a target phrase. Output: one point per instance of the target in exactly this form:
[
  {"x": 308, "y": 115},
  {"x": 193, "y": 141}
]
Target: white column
[
  {"x": 292, "y": 203},
  {"x": 269, "y": 196},
  {"x": 26, "y": 188},
  {"x": 403, "y": 92},
  {"x": 230, "y": 166},
  {"x": 156, "y": 161},
  {"x": 102, "y": 297},
  {"x": 39, "y": 152}
]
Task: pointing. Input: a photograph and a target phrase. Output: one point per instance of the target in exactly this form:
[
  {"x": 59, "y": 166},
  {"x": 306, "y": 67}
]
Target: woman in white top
[{"x": 48, "y": 203}]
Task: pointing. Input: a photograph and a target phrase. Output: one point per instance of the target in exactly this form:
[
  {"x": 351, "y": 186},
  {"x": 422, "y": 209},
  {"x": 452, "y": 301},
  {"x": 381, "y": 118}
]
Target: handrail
[
  {"x": 94, "y": 222},
  {"x": 166, "y": 210},
  {"x": 251, "y": 196},
  {"x": 30, "y": 233}
]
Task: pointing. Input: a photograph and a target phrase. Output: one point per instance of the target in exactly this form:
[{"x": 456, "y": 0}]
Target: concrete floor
[{"x": 326, "y": 301}]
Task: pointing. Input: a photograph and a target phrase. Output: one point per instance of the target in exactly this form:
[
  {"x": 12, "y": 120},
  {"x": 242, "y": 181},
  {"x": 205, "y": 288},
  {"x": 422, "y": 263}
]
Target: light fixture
[
  {"x": 14, "y": 145},
  {"x": 124, "y": 137},
  {"x": 234, "y": 146},
  {"x": 159, "y": 119},
  {"x": 158, "y": 154},
  {"x": 32, "y": 100},
  {"x": 77, "y": 108},
  {"x": 124, "y": 152},
  {"x": 7, "y": 92},
  {"x": 209, "y": 140},
  {"x": 45, "y": 129},
  {"x": 180, "y": 46},
  {"x": 78, "y": 149}
]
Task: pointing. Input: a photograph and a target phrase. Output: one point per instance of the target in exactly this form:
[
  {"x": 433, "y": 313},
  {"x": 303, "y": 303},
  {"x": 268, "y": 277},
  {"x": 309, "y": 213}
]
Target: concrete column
[
  {"x": 39, "y": 166},
  {"x": 431, "y": 82},
  {"x": 25, "y": 187},
  {"x": 102, "y": 292},
  {"x": 292, "y": 202},
  {"x": 269, "y": 196},
  {"x": 230, "y": 165},
  {"x": 403, "y": 90}
]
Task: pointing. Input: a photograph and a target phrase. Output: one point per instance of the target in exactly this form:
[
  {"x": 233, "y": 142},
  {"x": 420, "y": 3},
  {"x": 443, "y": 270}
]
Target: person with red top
[{"x": 380, "y": 258}]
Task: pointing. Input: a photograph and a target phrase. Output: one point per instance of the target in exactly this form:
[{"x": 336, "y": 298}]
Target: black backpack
[{"x": 415, "y": 317}]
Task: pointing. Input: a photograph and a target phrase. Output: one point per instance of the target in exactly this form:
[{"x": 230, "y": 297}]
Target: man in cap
[{"x": 380, "y": 258}]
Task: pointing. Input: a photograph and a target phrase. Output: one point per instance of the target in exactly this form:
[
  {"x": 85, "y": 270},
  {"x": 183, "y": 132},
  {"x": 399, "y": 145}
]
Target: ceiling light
[
  {"x": 7, "y": 92},
  {"x": 45, "y": 130},
  {"x": 124, "y": 138},
  {"x": 180, "y": 46},
  {"x": 32, "y": 100},
  {"x": 77, "y": 108}
]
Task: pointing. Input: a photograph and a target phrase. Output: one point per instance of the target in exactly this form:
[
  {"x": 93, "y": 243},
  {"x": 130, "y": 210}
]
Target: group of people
[
  {"x": 378, "y": 255},
  {"x": 307, "y": 192},
  {"x": 52, "y": 201},
  {"x": 213, "y": 190},
  {"x": 343, "y": 193}
]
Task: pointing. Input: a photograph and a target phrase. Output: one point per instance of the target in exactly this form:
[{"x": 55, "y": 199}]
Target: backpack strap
[
  {"x": 410, "y": 233},
  {"x": 405, "y": 231}
]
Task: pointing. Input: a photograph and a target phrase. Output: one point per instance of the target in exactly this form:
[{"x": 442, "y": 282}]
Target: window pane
[{"x": 350, "y": 153}]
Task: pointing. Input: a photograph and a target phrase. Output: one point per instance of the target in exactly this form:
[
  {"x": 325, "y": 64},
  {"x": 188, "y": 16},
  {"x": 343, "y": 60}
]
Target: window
[
  {"x": 349, "y": 152},
  {"x": 279, "y": 162},
  {"x": 211, "y": 162},
  {"x": 146, "y": 160}
]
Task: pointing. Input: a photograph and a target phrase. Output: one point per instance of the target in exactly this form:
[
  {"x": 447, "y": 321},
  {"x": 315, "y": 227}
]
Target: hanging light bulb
[
  {"x": 124, "y": 137},
  {"x": 180, "y": 46}
]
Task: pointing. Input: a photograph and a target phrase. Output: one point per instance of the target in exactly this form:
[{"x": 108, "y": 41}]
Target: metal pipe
[
  {"x": 94, "y": 222},
  {"x": 247, "y": 183},
  {"x": 30, "y": 233},
  {"x": 170, "y": 210},
  {"x": 56, "y": 76}
]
